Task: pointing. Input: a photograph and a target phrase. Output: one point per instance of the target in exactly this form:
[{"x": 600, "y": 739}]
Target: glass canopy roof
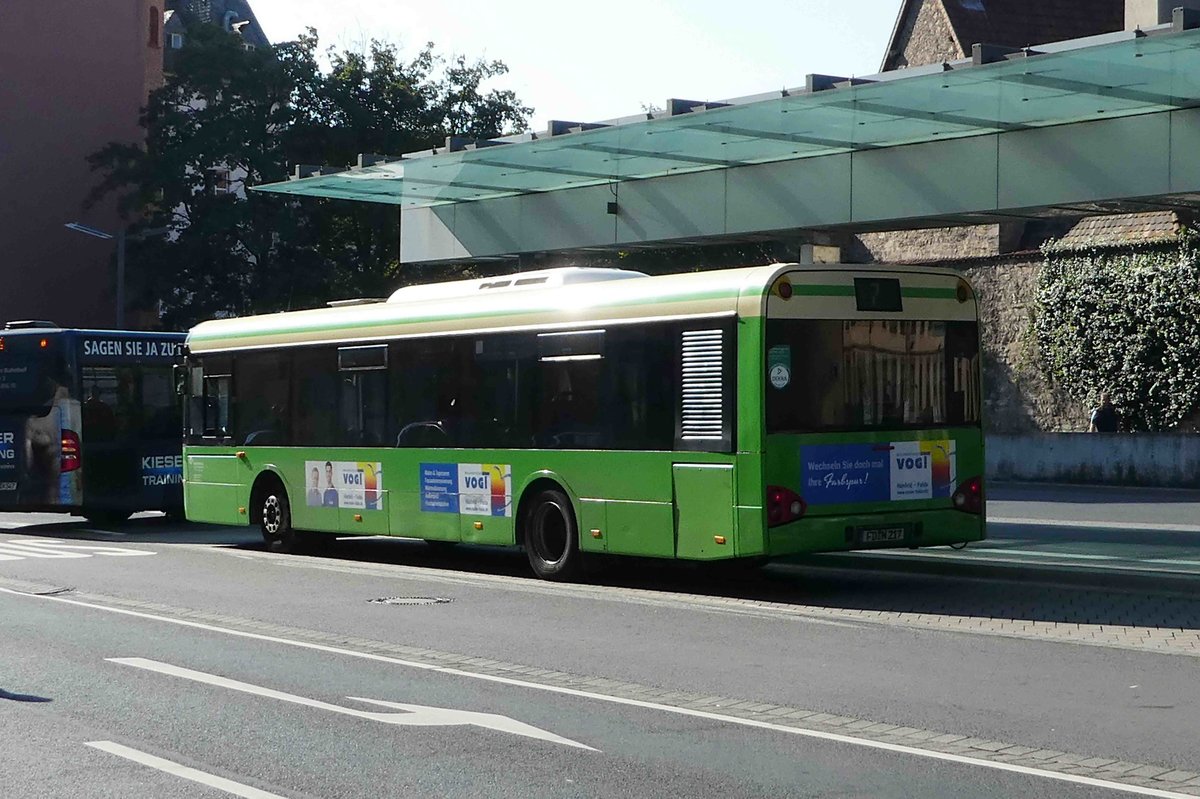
[{"x": 1127, "y": 74}]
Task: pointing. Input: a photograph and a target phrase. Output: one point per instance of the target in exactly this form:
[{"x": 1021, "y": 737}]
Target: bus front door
[{"x": 216, "y": 488}]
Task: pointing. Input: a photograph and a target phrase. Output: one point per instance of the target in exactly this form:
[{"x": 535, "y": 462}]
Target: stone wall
[
  {"x": 931, "y": 244},
  {"x": 925, "y": 39},
  {"x": 1018, "y": 397}
]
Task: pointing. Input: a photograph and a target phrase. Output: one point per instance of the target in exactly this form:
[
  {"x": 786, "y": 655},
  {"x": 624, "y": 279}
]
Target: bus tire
[
  {"x": 551, "y": 536},
  {"x": 275, "y": 517}
]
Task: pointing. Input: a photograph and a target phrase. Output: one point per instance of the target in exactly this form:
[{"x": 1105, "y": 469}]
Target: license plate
[{"x": 882, "y": 535}]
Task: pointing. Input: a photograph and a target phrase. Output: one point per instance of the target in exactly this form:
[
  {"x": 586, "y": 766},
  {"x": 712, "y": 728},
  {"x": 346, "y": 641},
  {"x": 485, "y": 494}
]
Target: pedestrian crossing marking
[{"x": 20, "y": 549}]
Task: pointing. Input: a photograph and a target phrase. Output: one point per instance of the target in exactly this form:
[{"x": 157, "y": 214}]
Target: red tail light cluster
[
  {"x": 968, "y": 497},
  {"x": 70, "y": 451},
  {"x": 783, "y": 506}
]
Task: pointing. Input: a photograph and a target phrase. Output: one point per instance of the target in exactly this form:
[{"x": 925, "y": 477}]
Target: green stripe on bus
[{"x": 922, "y": 293}]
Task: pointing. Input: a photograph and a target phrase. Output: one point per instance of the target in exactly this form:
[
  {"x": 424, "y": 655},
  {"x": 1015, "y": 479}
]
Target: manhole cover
[{"x": 410, "y": 600}]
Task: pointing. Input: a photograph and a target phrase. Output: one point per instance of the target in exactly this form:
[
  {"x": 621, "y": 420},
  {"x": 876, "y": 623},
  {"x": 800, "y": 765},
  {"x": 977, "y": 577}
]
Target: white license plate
[{"x": 882, "y": 535}]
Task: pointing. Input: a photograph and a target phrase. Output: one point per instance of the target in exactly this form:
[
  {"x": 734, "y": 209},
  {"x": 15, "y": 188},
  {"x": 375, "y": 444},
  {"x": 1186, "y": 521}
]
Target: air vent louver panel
[{"x": 703, "y": 397}]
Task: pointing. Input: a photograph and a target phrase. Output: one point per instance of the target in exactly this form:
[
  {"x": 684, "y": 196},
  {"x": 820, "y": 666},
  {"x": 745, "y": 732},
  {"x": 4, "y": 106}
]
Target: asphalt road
[{"x": 158, "y": 660}]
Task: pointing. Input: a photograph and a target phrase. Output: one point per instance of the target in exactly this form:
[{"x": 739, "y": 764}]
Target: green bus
[{"x": 744, "y": 413}]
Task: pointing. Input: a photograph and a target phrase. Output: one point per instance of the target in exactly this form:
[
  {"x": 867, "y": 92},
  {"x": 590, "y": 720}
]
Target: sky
[{"x": 588, "y": 62}]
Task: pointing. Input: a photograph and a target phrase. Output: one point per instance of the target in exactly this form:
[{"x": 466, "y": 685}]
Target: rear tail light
[
  {"x": 70, "y": 451},
  {"x": 968, "y": 497},
  {"x": 783, "y": 506}
]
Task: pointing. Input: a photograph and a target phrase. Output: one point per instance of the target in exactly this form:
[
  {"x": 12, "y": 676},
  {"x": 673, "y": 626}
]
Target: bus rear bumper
[{"x": 875, "y": 531}]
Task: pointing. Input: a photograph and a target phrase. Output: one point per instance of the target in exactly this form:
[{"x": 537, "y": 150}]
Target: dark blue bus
[{"x": 90, "y": 422}]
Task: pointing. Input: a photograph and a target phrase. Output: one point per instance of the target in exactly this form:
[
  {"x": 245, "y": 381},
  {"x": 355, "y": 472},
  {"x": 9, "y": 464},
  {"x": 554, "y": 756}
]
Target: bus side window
[
  {"x": 100, "y": 398},
  {"x": 363, "y": 401},
  {"x": 263, "y": 386},
  {"x": 567, "y": 407},
  {"x": 314, "y": 396},
  {"x": 425, "y": 379},
  {"x": 160, "y": 410},
  {"x": 195, "y": 401},
  {"x": 216, "y": 406}
]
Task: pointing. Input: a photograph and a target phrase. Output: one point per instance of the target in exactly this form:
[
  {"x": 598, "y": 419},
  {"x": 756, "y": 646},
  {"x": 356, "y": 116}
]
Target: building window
[
  {"x": 176, "y": 41},
  {"x": 221, "y": 182},
  {"x": 155, "y": 27}
]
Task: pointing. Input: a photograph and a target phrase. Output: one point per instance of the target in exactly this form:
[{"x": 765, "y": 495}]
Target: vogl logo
[
  {"x": 909, "y": 462},
  {"x": 479, "y": 481}
]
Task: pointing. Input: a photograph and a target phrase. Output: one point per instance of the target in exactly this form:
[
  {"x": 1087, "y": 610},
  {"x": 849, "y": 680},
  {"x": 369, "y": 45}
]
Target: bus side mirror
[{"x": 180, "y": 373}]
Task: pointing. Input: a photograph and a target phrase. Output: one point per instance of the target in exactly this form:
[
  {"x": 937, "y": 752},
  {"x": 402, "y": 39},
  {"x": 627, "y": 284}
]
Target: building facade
[
  {"x": 1004, "y": 260},
  {"x": 69, "y": 89}
]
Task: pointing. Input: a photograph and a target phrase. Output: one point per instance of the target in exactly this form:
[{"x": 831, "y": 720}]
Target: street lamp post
[{"x": 120, "y": 236}]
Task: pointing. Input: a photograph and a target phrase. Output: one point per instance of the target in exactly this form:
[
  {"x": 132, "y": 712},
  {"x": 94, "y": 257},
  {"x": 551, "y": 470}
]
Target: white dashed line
[{"x": 186, "y": 772}]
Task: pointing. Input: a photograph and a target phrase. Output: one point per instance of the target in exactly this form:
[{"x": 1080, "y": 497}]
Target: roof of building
[
  {"x": 1011, "y": 23},
  {"x": 216, "y": 12},
  {"x": 1121, "y": 230},
  {"x": 1020, "y": 23}
]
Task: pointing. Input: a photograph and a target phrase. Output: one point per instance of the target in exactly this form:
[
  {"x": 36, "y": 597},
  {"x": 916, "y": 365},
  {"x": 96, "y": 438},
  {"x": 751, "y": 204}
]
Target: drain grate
[{"x": 410, "y": 600}]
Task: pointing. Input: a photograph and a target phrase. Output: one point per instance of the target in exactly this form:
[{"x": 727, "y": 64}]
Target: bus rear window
[
  {"x": 847, "y": 375},
  {"x": 29, "y": 380}
]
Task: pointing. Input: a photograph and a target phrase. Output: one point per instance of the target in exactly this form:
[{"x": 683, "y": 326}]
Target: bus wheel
[
  {"x": 275, "y": 517},
  {"x": 551, "y": 536}
]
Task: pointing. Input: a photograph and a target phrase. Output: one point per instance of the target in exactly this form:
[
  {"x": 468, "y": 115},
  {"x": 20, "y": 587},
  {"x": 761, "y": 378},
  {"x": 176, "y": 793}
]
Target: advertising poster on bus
[
  {"x": 8, "y": 461},
  {"x": 836, "y": 474},
  {"x": 472, "y": 489},
  {"x": 344, "y": 484}
]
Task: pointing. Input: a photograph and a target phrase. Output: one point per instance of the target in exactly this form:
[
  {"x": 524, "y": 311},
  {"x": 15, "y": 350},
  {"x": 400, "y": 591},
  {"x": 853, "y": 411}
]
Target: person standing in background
[{"x": 1105, "y": 418}]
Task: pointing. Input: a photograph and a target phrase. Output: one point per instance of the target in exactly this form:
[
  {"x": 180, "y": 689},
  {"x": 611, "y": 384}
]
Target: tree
[{"x": 230, "y": 118}]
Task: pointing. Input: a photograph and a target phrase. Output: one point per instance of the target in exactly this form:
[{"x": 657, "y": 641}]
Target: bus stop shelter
[{"x": 1090, "y": 126}]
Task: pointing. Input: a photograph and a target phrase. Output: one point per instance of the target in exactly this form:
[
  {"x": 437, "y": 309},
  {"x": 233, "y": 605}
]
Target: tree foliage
[
  {"x": 248, "y": 116},
  {"x": 1128, "y": 323}
]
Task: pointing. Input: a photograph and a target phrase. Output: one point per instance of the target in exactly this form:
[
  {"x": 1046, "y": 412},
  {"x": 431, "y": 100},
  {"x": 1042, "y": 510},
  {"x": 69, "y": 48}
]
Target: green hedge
[{"x": 1128, "y": 322}]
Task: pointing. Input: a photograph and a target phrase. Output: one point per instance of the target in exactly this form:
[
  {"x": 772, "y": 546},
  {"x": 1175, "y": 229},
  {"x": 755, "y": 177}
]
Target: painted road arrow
[{"x": 408, "y": 715}]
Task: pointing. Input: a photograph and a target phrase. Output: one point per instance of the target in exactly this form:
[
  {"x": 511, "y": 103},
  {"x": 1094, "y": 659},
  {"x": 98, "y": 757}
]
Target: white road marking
[
  {"x": 178, "y": 770},
  {"x": 411, "y": 715},
  {"x": 18, "y": 548},
  {"x": 106, "y": 549},
  {"x": 1042, "y": 554},
  {"x": 1099, "y": 525},
  {"x": 33, "y": 552},
  {"x": 105, "y": 533},
  {"x": 620, "y": 700},
  {"x": 988, "y": 554}
]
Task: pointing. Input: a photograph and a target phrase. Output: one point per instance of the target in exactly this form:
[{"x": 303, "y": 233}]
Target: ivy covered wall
[{"x": 1127, "y": 322}]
